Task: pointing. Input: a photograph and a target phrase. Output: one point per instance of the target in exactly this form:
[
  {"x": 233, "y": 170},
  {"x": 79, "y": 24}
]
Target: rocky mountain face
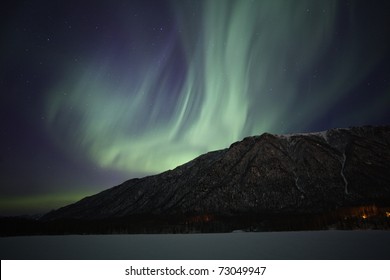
[{"x": 260, "y": 175}]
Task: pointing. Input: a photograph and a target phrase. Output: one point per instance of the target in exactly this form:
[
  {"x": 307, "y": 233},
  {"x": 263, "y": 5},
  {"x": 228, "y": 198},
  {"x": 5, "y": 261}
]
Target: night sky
[{"x": 97, "y": 92}]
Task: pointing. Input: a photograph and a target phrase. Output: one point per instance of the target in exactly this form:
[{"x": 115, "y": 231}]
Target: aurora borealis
[{"x": 95, "y": 93}]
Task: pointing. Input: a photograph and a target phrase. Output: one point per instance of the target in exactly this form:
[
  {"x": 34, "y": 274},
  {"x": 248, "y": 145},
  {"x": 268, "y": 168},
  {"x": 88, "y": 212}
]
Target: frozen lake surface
[{"x": 237, "y": 245}]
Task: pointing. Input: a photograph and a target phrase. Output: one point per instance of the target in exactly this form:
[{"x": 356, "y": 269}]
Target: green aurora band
[{"x": 233, "y": 69}]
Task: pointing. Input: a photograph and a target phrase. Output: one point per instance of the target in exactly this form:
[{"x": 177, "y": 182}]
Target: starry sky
[{"x": 93, "y": 93}]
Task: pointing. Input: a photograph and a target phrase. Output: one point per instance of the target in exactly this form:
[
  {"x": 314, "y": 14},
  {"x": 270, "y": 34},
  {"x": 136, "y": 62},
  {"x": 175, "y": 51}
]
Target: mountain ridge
[{"x": 270, "y": 173}]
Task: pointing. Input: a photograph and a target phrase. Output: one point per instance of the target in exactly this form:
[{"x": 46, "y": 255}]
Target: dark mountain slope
[{"x": 275, "y": 174}]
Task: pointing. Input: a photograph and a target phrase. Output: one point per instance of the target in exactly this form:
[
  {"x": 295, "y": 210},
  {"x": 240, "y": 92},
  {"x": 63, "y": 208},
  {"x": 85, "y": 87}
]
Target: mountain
[
  {"x": 263, "y": 182},
  {"x": 300, "y": 173}
]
